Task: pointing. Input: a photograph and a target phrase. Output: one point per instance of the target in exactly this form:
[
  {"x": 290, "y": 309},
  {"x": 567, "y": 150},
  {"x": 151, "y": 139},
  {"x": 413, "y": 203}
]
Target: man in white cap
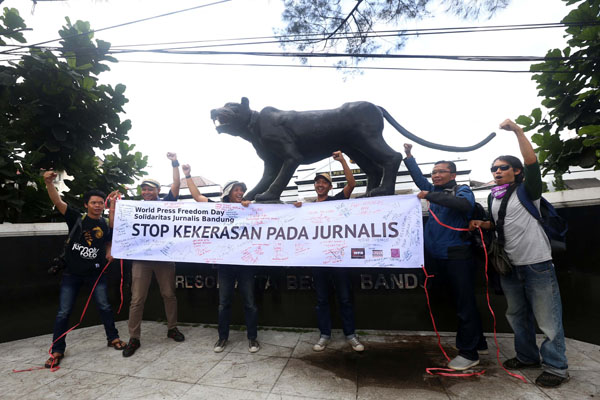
[
  {"x": 233, "y": 192},
  {"x": 141, "y": 274},
  {"x": 323, "y": 277}
]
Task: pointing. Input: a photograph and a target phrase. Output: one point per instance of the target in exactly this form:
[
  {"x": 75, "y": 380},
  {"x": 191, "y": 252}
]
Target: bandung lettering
[{"x": 88, "y": 253}]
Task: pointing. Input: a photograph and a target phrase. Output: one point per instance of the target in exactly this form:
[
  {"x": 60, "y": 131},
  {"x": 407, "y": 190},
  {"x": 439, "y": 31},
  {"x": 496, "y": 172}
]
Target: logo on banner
[
  {"x": 357, "y": 253},
  {"x": 395, "y": 253},
  {"x": 377, "y": 253}
]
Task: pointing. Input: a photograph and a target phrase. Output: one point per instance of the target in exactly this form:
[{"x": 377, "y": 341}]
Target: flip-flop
[
  {"x": 56, "y": 357},
  {"x": 117, "y": 344}
]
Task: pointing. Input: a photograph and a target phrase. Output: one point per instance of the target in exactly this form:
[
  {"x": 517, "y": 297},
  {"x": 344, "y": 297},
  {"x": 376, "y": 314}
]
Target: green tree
[
  {"x": 569, "y": 82},
  {"x": 317, "y": 24},
  {"x": 56, "y": 114}
]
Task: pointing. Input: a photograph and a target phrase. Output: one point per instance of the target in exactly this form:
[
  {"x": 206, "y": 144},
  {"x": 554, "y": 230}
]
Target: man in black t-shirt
[
  {"x": 86, "y": 254},
  {"x": 323, "y": 277}
]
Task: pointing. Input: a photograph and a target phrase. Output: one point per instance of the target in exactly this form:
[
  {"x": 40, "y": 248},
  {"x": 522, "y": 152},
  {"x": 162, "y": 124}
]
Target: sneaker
[
  {"x": 175, "y": 335},
  {"x": 321, "y": 344},
  {"x": 356, "y": 345},
  {"x": 515, "y": 363},
  {"x": 220, "y": 345},
  {"x": 253, "y": 346},
  {"x": 546, "y": 379},
  {"x": 459, "y": 363},
  {"x": 131, "y": 347}
]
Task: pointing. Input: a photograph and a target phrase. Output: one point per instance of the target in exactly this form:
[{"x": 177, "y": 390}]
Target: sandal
[
  {"x": 117, "y": 344},
  {"x": 54, "y": 361}
]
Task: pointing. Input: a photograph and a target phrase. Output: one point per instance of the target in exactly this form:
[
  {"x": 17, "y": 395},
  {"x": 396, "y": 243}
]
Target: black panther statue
[{"x": 286, "y": 139}]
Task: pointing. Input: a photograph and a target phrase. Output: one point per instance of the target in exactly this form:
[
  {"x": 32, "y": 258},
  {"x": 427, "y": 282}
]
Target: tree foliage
[
  {"x": 569, "y": 82},
  {"x": 318, "y": 24},
  {"x": 56, "y": 114}
]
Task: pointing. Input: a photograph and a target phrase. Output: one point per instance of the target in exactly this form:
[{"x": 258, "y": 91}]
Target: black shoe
[
  {"x": 131, "y": 347},
  {"x": 220, "y": 345},
  {"x": 253, "y": 346},
  {"x": 514, "y": 363},
  {"x": 175, "y": 335},
  {"x": 546, "y": 379}
]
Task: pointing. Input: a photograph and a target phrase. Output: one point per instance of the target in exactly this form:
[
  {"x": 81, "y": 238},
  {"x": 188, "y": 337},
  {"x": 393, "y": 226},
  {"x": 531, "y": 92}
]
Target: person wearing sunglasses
[
  {"x": 448, "y": 252},
  {"x": 531, "y": 287}
]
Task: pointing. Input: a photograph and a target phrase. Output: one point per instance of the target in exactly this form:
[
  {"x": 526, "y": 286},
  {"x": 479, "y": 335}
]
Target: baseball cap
[
  {"x": 151, "y": 182},
  {"x": 324, "y": 175}
]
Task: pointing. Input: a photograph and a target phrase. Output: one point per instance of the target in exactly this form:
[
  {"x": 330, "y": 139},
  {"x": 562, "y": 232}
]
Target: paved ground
[{"x": 392, "y": 367}]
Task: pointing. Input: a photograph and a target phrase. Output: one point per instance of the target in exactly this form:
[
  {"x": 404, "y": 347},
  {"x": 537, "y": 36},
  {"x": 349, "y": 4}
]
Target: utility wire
[
  {"x": 124, "y": 24},
  {"x": 335, "y": 67},
  {"x": 346, "y": 55},
  {"x": 383, "y": 33}
]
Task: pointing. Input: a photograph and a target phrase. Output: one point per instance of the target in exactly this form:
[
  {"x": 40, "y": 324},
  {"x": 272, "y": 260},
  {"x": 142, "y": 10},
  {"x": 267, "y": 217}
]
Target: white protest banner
[{"x": 370, "y": 232}]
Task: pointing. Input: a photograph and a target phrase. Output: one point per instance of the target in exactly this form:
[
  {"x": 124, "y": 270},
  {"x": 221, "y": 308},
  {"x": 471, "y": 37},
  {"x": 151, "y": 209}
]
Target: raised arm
[
  {"x": 350, "y": 181},
  {"x": 191, "y": 185},
  {"x": 112, "y": 199},
  {"x": 525, "y": 146},
  {"x": 49, "y": 177},
  {"x": 414, "y": 170},
  {"x": 175, "y": 185}
]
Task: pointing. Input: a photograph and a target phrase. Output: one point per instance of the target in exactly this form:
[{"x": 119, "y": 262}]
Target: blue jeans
[
  {"x": 69, "y": 288},
  {"x": 322, "y": 278},
  {"x": 460, "y": 274},
  {"x": 245, "y": 278},
  {"x": 533, "y": 296}
]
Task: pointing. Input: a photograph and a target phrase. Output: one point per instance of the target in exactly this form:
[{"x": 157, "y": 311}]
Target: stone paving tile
[
  {"x": 245, "y": 371},
  {"x": 221, "y": 393},
  {"x": 77, "y": 385},
  {"x": 274, "y": 396},
  {"x": 286, "y": 368},
  {"x": 383, "y": 393},
  {"x": 147, "y": 389},
  {"x": 320, "y": 378},
  {"x": 19, "y": 385},
  {"x": 182, "y": 364},
  {"x": 272, "y": 343}
]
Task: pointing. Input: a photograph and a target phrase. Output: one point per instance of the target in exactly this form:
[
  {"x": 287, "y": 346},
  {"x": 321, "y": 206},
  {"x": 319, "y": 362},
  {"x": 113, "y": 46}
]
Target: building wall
[{"x": 385, "y": 299}]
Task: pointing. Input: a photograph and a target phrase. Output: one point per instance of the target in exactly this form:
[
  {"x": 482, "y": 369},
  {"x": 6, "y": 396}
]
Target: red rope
[
  {"x": 121, "y": 288},
  {"x": 487, "y": 295},
  {"x": 52, "y": 367}
]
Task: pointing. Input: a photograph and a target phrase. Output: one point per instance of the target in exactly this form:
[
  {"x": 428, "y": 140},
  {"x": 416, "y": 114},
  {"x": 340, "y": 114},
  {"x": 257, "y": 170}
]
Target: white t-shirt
[{"x": 525, "y": 239}]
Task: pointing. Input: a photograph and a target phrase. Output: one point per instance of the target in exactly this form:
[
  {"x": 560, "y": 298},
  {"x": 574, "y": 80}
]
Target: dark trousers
[
  {"x": 69, "y": 288},
  {"x": 323, "y": 279},
  {"x": 460, "y": 275},
  {"x": 244, "y": 276}
]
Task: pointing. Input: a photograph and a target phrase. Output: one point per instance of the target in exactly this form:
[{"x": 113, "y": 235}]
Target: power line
[
  {"x": 345, "y": 55},
  {"x": 383, "y": 33},
  {"x": 334, "y": 67},
  {"x": 124, "y": 24}
]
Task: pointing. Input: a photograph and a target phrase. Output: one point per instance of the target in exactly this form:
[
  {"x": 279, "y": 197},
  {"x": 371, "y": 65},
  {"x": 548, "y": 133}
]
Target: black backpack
[{"x": 474, "y": 236}]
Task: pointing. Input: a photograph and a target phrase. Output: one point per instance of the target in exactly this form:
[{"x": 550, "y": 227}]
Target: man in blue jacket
[{"x": 450, "y": 253}]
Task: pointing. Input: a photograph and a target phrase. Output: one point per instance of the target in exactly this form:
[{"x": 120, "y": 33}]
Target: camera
[{"x": 57, "y": 265}]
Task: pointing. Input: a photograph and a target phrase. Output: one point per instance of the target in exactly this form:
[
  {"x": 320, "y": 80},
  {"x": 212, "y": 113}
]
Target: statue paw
[
  {"x": 380, "y": 191},
  {"x": 266, "y": 197}
]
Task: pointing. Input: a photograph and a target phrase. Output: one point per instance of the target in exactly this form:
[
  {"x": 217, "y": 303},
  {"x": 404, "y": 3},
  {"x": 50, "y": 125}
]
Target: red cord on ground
[{"x": 487, "y": 295}]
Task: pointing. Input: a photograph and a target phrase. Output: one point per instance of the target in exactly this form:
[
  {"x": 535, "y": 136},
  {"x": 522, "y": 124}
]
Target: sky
[{"x": 169, "y": 104}]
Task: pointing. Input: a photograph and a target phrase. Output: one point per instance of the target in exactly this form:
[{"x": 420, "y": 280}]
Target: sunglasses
[{"x": 504, "y": 167}]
